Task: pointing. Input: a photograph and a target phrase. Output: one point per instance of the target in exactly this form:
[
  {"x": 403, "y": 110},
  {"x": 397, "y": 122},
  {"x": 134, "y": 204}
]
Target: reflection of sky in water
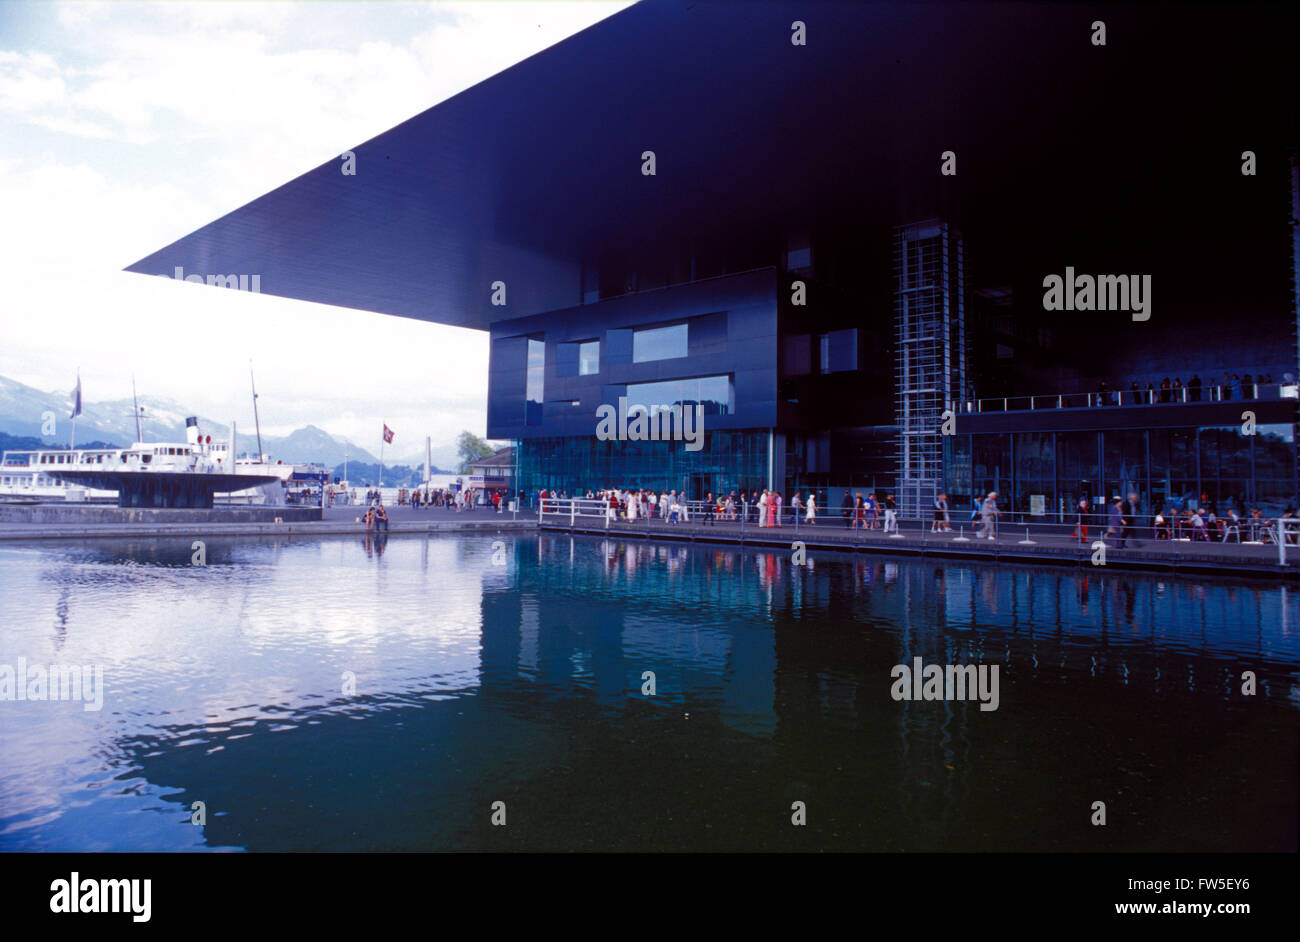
[{"x": 224, "y": 684}]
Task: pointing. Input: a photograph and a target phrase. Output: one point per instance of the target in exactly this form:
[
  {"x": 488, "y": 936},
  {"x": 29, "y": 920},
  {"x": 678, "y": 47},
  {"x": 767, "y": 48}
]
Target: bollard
[
  {"x": 1027, "y": 541},
  {"x": 961, "y": 536}
]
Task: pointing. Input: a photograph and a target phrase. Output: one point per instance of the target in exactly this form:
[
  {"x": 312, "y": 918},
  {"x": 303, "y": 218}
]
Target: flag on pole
[
  {"x": 76, "y": 399},
  {"x": 388, "y": 434}
]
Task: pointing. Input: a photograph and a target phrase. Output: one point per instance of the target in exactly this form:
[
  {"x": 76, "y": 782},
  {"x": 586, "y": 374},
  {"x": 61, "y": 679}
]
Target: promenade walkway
[{"x": 1042, "y": 544}]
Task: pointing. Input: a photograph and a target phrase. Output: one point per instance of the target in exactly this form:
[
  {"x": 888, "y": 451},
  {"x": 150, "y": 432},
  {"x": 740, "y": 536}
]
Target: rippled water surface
[{"x": 510, "y": 669}]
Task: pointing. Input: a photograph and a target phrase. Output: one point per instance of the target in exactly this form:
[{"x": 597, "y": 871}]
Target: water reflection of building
[{"x": 592, "y": 616}]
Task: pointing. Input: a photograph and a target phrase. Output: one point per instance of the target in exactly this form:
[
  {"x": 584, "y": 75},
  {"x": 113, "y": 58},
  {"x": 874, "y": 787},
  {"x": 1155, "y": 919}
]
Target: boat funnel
[{"x": 192, "y": 429}]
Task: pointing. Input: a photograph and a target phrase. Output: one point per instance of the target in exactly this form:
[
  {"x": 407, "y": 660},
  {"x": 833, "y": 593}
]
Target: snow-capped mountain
[{"x": 26, "y": 411}]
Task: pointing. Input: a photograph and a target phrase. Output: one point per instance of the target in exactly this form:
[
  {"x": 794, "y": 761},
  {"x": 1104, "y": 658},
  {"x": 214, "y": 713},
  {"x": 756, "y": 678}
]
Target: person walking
[
  {"x": 1081, "y": 523},
  {"x": 891, "y": 514},
  {"x": 1115, "y": 518},
  {"x": 988, "y": 516},
  {"x": 776, "y": 511},
  {"x": 1130, "y": 511},
  {"x": 846, "y": 509},
  {"x": 940, "y": 513},
  {"x": 811, "y": 518}
]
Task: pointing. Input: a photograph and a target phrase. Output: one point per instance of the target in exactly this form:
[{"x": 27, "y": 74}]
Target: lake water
[{"x": 511, "y": 669}]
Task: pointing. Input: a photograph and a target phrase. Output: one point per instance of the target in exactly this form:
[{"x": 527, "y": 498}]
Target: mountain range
[{"x": 23, "y": 413}]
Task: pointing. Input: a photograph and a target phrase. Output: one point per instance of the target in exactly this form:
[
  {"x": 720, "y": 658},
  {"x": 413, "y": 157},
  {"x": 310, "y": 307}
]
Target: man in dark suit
[{"x": 1130, "y": 510}]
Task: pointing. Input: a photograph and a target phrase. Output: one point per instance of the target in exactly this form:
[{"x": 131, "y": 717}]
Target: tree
[{"x": 471, "y": 448}]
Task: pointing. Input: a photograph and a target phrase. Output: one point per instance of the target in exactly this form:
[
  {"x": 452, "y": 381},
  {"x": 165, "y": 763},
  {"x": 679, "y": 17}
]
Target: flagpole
[{"x": 76, "y": 411}]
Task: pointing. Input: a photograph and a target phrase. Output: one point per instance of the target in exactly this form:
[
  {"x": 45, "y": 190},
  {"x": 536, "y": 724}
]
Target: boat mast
[
  {"x": 139, "y": 432},
  {"x": 256, "y": 422}
]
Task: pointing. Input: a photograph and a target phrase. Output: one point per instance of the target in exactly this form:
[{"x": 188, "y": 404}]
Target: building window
[
  {"x": 536, "y": 381},
  {"x": 837, "y": 351},
  {"x": 660, "y": 343},
  {"x": 589, "y": 358},
  {"x": 577, "y": 358},
  {"x": 713, "y": 393}
]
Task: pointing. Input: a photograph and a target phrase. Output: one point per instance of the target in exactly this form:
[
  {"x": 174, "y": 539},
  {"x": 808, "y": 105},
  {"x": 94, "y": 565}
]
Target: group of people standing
[
  {"x": 1231, "y": 386},
  {"x": 867, "y": 512},
  {"x": 765, "y": 508}
]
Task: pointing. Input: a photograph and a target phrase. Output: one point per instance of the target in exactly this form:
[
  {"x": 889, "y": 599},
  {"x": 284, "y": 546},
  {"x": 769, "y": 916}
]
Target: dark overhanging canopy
[{"x": 527, "y": 177}]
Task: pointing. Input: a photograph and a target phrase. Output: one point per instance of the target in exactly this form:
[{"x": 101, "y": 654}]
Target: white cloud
[{"x": 125, "y": 126}]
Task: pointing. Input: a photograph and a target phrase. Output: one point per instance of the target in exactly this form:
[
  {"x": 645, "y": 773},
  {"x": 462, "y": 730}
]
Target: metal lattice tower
[{"x": 930, "y": 344}]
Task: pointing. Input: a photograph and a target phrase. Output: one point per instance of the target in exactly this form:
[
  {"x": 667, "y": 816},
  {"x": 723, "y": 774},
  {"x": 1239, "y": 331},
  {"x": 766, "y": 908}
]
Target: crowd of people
[
  {"x": 1231, "y": 386},
  {"x": 764, "y": 508},
  {"x": 1122, "y": 520},
  {"x": 376, "y": 517},
  {"x": 761, "y": 507},
  {"x": 1125, "y": 522},
  {"x": 457, "y": 500}
]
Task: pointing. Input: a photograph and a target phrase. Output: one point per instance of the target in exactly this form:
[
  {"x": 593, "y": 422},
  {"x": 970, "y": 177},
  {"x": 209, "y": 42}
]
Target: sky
[{"x": 124, "y": 126}]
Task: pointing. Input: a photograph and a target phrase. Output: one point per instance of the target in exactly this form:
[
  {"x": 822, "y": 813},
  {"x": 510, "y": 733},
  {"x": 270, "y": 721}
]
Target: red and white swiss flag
[{"x": 388, "y": 435}]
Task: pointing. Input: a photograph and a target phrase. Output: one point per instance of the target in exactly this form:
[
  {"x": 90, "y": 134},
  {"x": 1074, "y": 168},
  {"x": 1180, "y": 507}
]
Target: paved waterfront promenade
[
  {"x": 1051, "y": 544},
  {"x": 336, "y": 520}
]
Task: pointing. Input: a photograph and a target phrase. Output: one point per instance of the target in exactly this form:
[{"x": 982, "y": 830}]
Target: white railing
[
  {"x": 1129, "y": 397},
  {"x": 858, "y": 526}
]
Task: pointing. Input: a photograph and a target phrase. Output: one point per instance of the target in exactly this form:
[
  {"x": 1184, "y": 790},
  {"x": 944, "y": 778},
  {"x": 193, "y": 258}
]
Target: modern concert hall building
[{"x": 832, "y": 227}]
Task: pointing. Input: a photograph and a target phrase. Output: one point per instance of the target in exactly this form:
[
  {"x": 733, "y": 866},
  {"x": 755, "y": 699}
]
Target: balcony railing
[{"x": 1130, "y": 397}]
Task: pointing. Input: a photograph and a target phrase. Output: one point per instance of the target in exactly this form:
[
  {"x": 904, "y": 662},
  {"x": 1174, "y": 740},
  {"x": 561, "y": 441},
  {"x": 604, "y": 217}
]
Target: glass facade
[
  {"x": 536, "y": 381},
  {"x": 660, "y": 343},
  {"x": 714, "y": 393},
  {"x": 1041, "y": 476},
  {"x": 1035, "y": 478},
  {"x": 579, "y": 358},
  {"x": 1275, "y": 466},
  {"x": 1077, "y": 471},
  {"x": 1124, "y": 464},
  {"x": 1173, "y": 468},
  {"x": 990, "y": 468},
  {"x": 728, "y": 461}
]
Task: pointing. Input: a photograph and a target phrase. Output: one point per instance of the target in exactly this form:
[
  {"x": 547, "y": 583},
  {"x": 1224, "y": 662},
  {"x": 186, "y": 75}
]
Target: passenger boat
[{"x": 53, "y": 474}]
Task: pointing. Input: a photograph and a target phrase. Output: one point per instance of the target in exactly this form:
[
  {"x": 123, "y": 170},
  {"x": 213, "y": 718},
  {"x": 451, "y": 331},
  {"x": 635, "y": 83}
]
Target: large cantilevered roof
[{"x": 537, "y": 171}]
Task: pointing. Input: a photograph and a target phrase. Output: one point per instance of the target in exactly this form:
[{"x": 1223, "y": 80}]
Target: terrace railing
[
  {"x": 850, "y": 528},
  {"x": 1129, "y": 397}
]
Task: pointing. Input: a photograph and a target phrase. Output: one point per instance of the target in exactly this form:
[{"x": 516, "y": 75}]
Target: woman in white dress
[
  {"x": 811, "y": 519},
  {"x": 762, "y": 508},
  {"x": 633, "y": 504}
]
